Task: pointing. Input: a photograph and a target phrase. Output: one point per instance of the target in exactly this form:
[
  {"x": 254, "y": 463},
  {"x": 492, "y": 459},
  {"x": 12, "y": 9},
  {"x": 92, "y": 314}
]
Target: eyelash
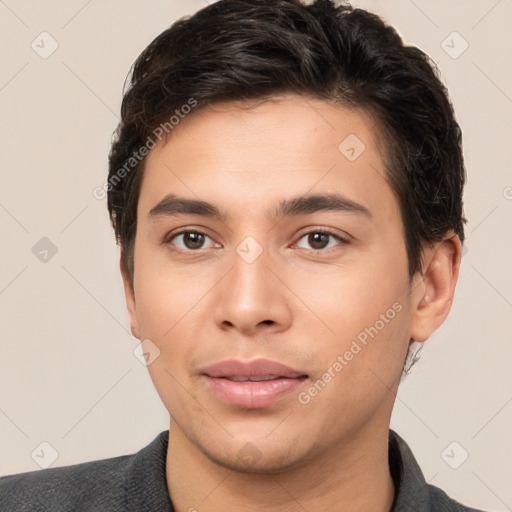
[{"x": 341, "y": 240}]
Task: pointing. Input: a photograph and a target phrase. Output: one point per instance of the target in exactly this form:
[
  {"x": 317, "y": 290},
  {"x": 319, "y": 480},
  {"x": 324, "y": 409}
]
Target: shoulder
[
  {"x": 441, "y": 502},
  {"x": 95, "y": 484},
  {"x": 129, "y": 482},
  {"x": 412, "y": 492}
]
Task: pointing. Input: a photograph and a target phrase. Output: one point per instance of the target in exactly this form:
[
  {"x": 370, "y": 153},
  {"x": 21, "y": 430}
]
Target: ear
[
  {"x": 434, "y": 287},
  {"x": 129, "y": 294}
]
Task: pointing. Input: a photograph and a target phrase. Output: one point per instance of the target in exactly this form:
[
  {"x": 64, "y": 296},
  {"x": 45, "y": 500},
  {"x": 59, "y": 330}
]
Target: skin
[{"x": 294, "y": 304}]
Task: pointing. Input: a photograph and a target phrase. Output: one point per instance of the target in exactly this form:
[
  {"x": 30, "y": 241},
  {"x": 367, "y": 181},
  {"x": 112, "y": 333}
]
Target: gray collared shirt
[
  {"x": 412, "y": 493},
  {"x": 137, "y": 483}
]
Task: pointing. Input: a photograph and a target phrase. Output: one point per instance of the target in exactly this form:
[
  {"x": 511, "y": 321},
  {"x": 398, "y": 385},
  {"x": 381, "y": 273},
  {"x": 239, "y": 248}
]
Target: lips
[
  {"x": 240, "y": 378},
  {"x": 257, "y": 368},
  {"x": 252, "y": 384}
]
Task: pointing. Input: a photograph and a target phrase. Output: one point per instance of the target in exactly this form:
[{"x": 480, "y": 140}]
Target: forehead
[{"x": 253, "y": 154}]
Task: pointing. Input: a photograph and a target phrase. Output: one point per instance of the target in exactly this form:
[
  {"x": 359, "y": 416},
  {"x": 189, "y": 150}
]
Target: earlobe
[
  {"x": 129, "y": 293},
  {"x": 434, "y": 291}
]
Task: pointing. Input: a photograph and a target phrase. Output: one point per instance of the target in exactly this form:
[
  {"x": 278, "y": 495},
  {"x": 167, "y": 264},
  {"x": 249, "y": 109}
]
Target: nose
[{"x": 252, "y": 299}]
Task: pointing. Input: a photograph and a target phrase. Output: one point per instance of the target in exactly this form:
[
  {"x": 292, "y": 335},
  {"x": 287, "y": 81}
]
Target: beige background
[{"x": 68, "y": 375}]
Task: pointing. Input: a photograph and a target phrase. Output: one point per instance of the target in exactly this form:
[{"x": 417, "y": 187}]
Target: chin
[{"x": 260, "y": 457}]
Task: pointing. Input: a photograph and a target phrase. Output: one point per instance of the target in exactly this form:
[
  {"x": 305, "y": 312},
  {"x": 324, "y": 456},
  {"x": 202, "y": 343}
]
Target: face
[{"x": 298, "y": 259}]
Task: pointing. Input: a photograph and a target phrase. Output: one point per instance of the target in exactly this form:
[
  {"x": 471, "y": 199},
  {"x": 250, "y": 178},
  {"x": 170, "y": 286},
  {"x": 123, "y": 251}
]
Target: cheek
[
  {"x": 171, "y": 313},
  {"x": 165, "y": 295},
  {"x": 351, "y": 297},
  {"x": 364, "y": 310},
  {"x": 167, "y": 309},
  {"x": 361, "y": 363}
]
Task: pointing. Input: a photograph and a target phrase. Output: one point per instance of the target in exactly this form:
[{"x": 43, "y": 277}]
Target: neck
[{"x": 353, "y": 476}]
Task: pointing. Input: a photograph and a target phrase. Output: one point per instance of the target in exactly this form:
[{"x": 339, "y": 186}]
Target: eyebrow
[{"x": 172, "y": 205}]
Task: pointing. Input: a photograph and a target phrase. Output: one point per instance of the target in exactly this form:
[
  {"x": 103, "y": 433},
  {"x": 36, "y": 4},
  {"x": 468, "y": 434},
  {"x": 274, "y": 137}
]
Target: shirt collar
[
  {"x": 145, "y": 481},
  {"x": 411, "y": 490}
]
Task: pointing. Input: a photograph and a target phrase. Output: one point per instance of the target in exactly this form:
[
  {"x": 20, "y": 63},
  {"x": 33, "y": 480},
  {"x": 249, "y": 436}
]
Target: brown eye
[
  {"x": 193, "y": 240},
  {"x": 190, "y": 240},
  {"x": 319, "y": 240}
]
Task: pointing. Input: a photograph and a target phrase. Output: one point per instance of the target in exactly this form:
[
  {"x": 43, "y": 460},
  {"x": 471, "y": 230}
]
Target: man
[{"x": 286, "y": 188}]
